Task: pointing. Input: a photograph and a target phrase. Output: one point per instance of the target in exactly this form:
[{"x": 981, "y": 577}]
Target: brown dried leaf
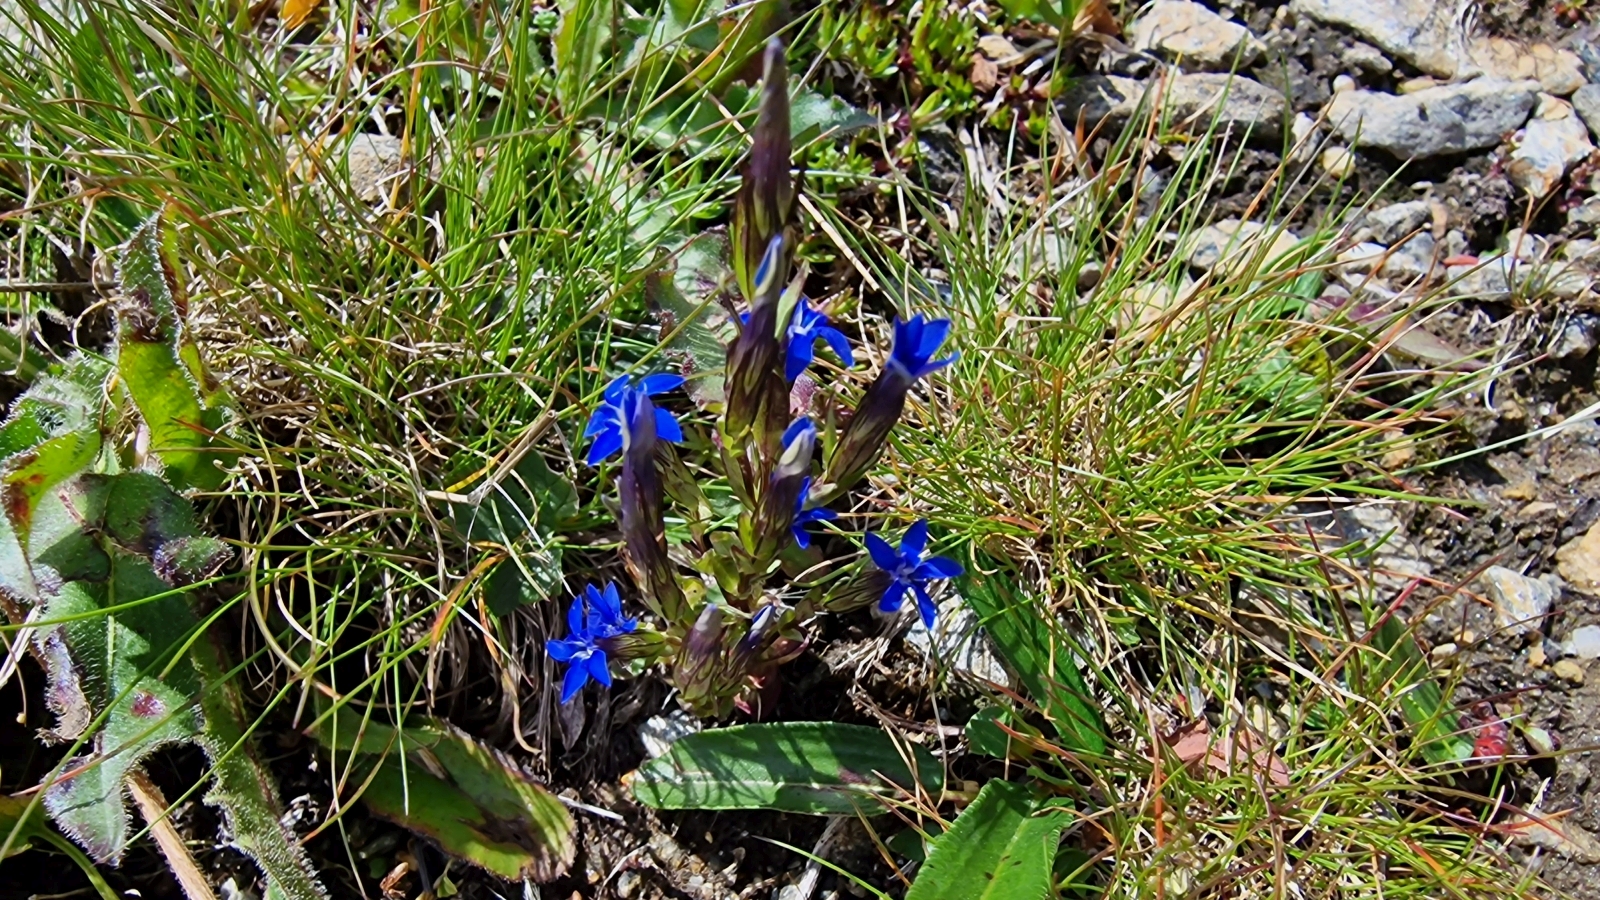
[{"x": 1193, "y": 743}]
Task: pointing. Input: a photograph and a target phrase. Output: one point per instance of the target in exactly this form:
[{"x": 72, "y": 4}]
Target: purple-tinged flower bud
[
  {"x": 755, "y": 379},
  {"x": 765, "y": 202},
  {"x": 644, "y": 546},
  {"x": 790, "y": 477},
  {"x": 860, "y": 592},
  {"x": 910, "y": 358},
  {"x": 763, "y": 630},
  {"x": 702, "y": 672}
]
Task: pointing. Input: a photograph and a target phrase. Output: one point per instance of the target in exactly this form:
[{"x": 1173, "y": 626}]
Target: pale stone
[
  {"x": 1194, "y": 35},
  {"x": 1578, "y": 561},
  {"x": 1422, "y": 32},
  {"x": 1520, "y": 603},
  {"x": 1338, "y": 162},
  {"x": 1567, "y": 670},
  {"x": 1557, "y": 71},
  {"x": 1553, "y": 142},
  {"x": 1583, "y": 642},
  {"x": 1190, "y": 102}
]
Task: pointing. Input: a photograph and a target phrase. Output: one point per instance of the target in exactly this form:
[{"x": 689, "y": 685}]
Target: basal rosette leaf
[{"x": 157, "y": 361}]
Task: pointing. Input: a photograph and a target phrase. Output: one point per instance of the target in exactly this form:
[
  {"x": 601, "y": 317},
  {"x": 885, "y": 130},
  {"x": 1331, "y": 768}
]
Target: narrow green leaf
[
  {"x": 24, "y": 819},
  {"x": 821, "y": 768},
  {"x": 1046, "y": 665},
  {"x": 1001, "y": 848},
  {"x": 470, "y": 799},
  {"x": 1437, "y": 730}
]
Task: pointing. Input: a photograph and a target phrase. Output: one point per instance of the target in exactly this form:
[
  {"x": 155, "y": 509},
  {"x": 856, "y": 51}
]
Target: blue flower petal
[
  {"x": 915, "y": 541},
  {"x": 798, "y": 357},
  {"x": 937, "y": 567},
  {"x": 575, "y": 618},
  {"x": 598, "y": 668},
  {"x": 893, "y": 596},
  {"x": 802, "y": 538},
  {"x": 794, "y": 430},
  {"x": 659, "y": 383},
  {"x": 667, "y": 427},
  {"x": 883, "y": 555},
  {"x": 840, "y": 345},
  {"x": 614, "y": 391},
  {"x": 599, "y": 421},
  {"x": 563, "y": 651},
  {"x": 925, "y": 606},
  {"x": 608, "y": 442},
  {"x": 932, "y": 337},
  {"x": 573, "y": 683}
]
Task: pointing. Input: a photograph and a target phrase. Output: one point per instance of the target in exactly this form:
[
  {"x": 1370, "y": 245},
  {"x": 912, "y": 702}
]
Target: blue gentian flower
[
  {"x": 583, "y": 650},
  {"x": 609, "y": 424},
  {"x": 804, "y": 517},
  {"x": 806, "y": 328},
  {"x": 915, "y": 343},
  {"x": 909, "y": 570}
]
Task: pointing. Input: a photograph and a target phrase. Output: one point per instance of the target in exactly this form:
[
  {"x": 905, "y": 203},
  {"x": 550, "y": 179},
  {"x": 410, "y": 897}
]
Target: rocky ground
[{"x": 1472, "y": 126}]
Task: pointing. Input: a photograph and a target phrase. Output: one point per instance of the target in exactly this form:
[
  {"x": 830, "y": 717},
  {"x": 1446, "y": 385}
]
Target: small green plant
[
  {"x": 101, "y": 554},
  {"x": 726, "y": 628}
]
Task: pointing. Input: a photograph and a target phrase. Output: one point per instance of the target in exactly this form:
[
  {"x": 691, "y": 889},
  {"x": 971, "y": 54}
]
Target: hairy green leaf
[
  {"x": 684, "y": 294},
  {"x": 122, "y": 650},
  {"x": 242, "y": 787},
  {"x": 160, "y": 368},
  {"x": 1001, "y": 847},
  {"x": 822, "y": 768}
]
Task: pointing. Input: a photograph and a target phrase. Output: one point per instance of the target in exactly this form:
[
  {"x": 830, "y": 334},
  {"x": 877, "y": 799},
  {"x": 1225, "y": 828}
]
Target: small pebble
[
  {"x": 1539, "y": 740},
  {"x": 1567, "y": 670},
  {"x": 1342, "y": 83},
  {"x": 1584, "y": 642},
  {"x": 1338, "y": 162},
  {"x": 1442, "y": 652},
  {"x": 1536, "y": 656}
]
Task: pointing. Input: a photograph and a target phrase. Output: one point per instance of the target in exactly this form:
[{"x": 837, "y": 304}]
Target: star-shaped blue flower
[
  {"x": 806, "y": 328},
  {"x": 609, "y": 424},
  {"x": 915, "y": 343},
  {"x": 583, "y": 650},
  {"x": 909, "y": 571},
  {"x": 804, "y": 517}
]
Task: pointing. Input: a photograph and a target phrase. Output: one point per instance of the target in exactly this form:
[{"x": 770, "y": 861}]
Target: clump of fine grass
[
  {"x": 395, "y": 341},
  {"x": 1145, "y": 451}
]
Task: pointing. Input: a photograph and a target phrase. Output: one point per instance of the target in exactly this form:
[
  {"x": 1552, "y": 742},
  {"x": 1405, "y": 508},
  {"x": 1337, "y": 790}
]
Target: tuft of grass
[{"x": 1148, "y": 454}]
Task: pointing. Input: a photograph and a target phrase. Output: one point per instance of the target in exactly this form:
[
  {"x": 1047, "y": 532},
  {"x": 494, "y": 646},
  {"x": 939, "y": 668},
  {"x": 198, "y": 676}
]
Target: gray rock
[
  {"x": 1451, "y": 118},
  {"x": 959, "y": 642},
  {"x": 1585, "y": 213},
  {"x": 1411, "y": 260},
  {"x": 1191, "y": 102},
  {"x": 1586, "y": 100},
  {"x": 1421, "y": 32},
  {"x": 1393, "y": 222},
  {"x": 1367, "y": 59},
  {"x": 1489, "y": 280},
  {"x": 1520, "y": 602},
  {"x": 1554, "y": 141},
  {"x": 658, "y": 732},
  {"x": 1575, "y": 340},
  {"x": 1194, "y": 36},
  {"x": 1584, "y": 642}
]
